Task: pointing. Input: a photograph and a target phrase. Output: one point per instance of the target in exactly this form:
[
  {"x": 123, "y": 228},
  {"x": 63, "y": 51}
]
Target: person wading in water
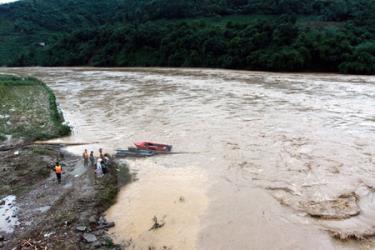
[
  {"x": 58, "y": 171},
  {"x": 85, "y": 156}
]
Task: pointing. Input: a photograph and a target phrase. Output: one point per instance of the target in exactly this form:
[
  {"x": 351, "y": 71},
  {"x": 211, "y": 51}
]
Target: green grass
[
  {"x": 40, "y": 150},
  {"x": 29, "y": 109},
  {"x": 111, "y": 183}
]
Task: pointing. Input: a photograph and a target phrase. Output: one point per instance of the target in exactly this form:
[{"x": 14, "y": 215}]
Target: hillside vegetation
[
  {"x": 28, "y": 110},
  {"x": 279, "y": 35}
]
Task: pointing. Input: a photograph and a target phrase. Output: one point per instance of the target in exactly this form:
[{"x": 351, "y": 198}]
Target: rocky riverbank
[
  {"x": 58, "y": 216},
  {"x": 35, "y": 211}
]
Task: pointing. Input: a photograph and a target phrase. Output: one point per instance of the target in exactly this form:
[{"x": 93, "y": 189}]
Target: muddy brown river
[{"x": 270, "y": 160}]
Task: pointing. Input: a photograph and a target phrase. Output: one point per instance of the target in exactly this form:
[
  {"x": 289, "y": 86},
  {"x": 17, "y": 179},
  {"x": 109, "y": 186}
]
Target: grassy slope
[{"x": 28, "y": 110}]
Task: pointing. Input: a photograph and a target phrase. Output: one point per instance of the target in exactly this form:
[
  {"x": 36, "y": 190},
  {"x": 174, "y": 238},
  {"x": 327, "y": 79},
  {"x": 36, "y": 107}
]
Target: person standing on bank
[
  {"x": 101, "y": 155},
  {"x": 85, "y": 156},
  {"x": 92, "y": 159},
  {"x": 99, "y": 169},
  {"x": 58, "y": 171}
]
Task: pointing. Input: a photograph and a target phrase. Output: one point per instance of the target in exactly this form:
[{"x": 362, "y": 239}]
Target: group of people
[{"x": 100, "y": 164}]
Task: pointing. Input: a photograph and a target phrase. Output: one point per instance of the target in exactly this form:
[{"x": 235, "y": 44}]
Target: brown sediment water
[
  {"x": 277, "y": 161},
  {"x": 176, "y": 198}
]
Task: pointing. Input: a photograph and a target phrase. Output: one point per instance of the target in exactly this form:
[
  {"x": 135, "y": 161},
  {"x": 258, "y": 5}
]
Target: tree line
[{"x": 289, "y": 35}]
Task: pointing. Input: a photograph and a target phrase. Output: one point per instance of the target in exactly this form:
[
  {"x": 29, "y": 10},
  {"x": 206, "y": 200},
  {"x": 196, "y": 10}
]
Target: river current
[{"x": 268, "y": 160}]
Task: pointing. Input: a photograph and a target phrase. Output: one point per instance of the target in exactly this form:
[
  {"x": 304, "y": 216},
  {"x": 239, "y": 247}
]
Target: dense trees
[{"x": 285, "y": 35}]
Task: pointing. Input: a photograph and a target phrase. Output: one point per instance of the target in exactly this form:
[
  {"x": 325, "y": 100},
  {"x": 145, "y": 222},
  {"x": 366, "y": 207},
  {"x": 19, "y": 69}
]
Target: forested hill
[{"x": 279, "y": 35}]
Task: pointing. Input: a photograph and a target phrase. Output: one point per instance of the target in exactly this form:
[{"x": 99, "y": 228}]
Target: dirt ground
[
  {"x": 35, "y": 211},
  {"x": 52, "y": 215}
]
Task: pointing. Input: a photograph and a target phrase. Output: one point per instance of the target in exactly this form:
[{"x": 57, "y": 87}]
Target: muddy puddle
[
  {"x": 270, "y": 161},
  {"x": 8, "y": 214}
]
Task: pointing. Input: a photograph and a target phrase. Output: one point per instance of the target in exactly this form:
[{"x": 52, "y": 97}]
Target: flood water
[{"x": 270, "y": 161}]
